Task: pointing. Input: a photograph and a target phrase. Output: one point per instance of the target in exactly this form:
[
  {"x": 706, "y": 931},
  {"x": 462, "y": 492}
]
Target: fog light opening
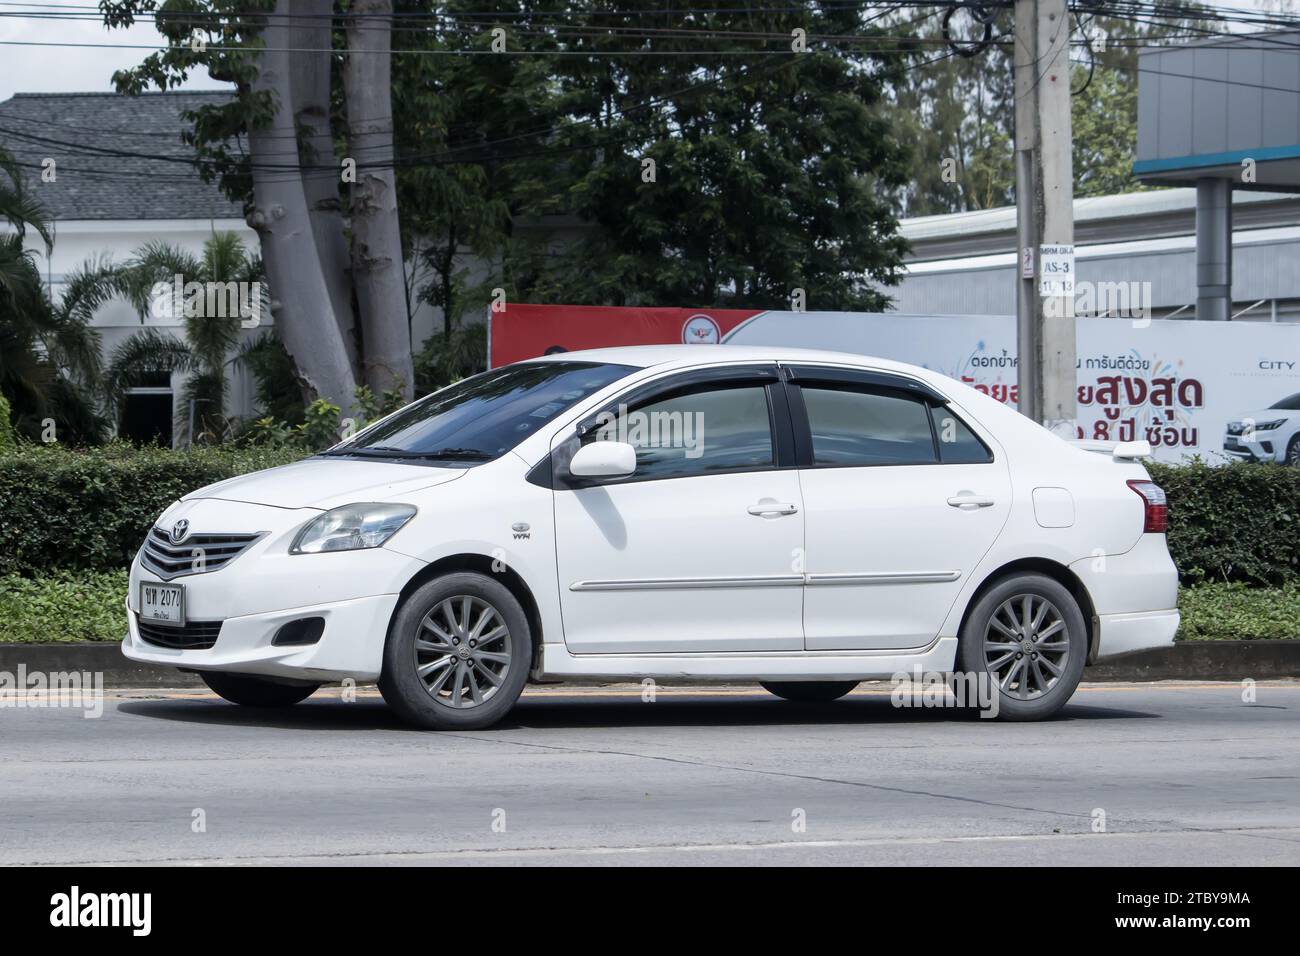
[{"x": 299, "y": 633}]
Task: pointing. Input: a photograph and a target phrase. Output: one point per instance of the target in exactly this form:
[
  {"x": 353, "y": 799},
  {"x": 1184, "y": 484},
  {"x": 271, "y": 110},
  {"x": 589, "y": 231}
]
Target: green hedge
[
  {"x": 90, "y": 509},
  {"x": 1239, "y": 612},
  {"x": 64, "y": 606},
  {"x": 87, "y": 606},
  {"x": 1238, "y": 522},
  {"x": 6, "y": 427}
]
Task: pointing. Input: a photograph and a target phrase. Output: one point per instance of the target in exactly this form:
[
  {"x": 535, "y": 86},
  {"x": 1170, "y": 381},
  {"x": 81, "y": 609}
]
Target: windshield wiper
[
  {"x": 464, "y": 454},
  {"x": 387, "y": 451}
]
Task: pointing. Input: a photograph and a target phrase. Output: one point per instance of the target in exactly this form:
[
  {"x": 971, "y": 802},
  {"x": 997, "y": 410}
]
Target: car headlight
[
  {"x": 1269, "y": 426},
  {"x": 351, "y": 528}
]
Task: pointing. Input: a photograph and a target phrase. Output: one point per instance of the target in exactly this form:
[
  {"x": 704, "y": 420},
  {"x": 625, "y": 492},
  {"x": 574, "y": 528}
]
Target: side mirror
[{"x": 603, "y": 459}]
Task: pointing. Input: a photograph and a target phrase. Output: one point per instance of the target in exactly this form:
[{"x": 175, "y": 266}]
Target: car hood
[
  {"x": 326, "y": 483},
  {"x": 1267, "y": 415}
]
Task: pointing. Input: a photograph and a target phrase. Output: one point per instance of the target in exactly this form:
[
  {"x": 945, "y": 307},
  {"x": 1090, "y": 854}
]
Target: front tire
[
  {"x": 458, "y": 654},
  {"x": 250, "y": 691},
  {"x": 809, "y": 691},
  {"x": 1026, "y": 636},
  {"x": 1293, "y": 453}
]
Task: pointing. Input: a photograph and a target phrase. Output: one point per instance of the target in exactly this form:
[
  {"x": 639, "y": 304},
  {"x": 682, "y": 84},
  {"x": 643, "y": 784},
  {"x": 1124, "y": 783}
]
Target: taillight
[{"x": 1155, "y": 506}]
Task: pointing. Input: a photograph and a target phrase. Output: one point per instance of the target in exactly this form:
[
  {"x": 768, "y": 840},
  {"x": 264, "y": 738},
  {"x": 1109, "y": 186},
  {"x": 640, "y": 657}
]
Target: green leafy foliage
[
  {"x": 1239, "y": 612},
  {"x": 64, "y": 606},
  {"x": 372, "y": 407},
  {"x": 1238, "y": 522},
  {"x": 6, "y": 428},
  {"x": 320, "y": 429},
  {"x": 449, "y": 358},
  {"x": 87, "y": 606},
  {"x": 91, "y": 509}
]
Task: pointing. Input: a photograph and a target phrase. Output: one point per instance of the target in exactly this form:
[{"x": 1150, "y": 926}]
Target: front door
[{"x": 698, "y": 550}]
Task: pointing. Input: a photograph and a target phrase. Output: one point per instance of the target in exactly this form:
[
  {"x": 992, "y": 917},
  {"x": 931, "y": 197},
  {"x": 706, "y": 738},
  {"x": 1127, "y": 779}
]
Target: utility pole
[{"x": 1045, "y": 216}]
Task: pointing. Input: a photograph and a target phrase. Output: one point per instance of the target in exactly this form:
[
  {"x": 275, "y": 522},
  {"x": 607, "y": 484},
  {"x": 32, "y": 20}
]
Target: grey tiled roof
[{"x": 115, "y": 155}]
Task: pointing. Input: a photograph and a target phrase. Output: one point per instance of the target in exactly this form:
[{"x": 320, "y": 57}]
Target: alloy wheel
[
  {"x": 1026, "y": 646},
  {"x": 462, "y": 652}
]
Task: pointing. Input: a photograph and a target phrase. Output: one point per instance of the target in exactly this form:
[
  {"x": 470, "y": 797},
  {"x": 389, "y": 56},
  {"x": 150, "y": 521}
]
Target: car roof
[{"x": 648, "y": 356}]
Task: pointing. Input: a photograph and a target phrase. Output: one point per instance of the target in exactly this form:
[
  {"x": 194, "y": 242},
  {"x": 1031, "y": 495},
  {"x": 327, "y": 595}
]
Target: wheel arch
[
  {"x": 1057, "y": 572},
  {"x": 482, "y": 564}
]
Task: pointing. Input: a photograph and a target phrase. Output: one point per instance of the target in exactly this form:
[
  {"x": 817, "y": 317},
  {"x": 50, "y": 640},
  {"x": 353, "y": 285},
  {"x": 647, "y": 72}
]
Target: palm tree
[
  {"x": 211, "y": 335},
  {"x": 49, "y": 352}
]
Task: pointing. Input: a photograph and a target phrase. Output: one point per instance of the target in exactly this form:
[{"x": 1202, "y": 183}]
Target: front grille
[
  {"x": 194, "y": 636},
  {"x": 197, "y": 554}
]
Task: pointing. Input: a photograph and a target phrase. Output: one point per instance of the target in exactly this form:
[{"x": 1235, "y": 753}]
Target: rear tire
[
  {"x": 458, "y": 654},
  {"x": 1026, "y": 636},
  {"x": 810, "y": 692},
  {"x": 250, "y": 691}
]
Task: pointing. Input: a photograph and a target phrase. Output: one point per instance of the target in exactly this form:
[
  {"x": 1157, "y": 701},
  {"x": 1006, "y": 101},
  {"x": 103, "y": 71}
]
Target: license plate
[
  {"x": 162, "y": 603},
  {"x": 1231, "y": 443}
]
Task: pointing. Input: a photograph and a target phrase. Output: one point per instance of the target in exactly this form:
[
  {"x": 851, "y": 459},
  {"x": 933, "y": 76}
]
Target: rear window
[
  {"x": 958, "y": 445},
  {"x": 852, "y": 427}
]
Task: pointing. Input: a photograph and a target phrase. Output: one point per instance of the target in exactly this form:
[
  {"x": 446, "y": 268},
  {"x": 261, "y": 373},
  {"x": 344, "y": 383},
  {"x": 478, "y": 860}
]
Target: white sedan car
[{"x": 803, "y": 519}]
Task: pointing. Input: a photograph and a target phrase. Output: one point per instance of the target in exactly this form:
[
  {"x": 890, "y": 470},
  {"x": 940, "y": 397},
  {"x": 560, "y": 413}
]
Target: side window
[
  {"x": 867, "y": 427},
  {"x": 958, "y": 445},
  {"x": 695, "y": 432}
]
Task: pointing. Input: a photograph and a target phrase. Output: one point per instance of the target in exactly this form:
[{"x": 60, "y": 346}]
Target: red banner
[{"x": 521, "y": 332}]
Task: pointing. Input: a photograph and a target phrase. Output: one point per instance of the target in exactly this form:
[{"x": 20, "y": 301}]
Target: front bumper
[
  {"x": 355, "y": 592},
  {"x": 1261, "y": 449},
  {"x": 352, "y": 644}
]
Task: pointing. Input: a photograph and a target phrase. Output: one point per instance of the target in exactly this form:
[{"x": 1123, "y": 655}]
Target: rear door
[{"x": 902, "y": 498}]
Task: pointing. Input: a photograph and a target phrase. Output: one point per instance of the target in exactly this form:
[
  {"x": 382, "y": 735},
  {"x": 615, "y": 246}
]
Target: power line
[{"x": 288, "y": 170}]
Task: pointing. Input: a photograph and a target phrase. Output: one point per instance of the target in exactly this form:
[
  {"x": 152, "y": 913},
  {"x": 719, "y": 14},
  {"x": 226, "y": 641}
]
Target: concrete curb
[
  {"x": 1204, "y": 660},
  {"x": 101, "y": 657},
  {"x": 1192, "y": 660}
]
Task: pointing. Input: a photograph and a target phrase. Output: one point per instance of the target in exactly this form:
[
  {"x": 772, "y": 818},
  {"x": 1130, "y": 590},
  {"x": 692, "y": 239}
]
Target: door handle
[
  {"x": 772, "y": 509},
  {"x": 969, "y": 500}
]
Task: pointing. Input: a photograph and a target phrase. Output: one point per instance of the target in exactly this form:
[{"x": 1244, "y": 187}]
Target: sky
[
  {"x": 53, "y": 69},
  {"x": 34, "y": 69}
]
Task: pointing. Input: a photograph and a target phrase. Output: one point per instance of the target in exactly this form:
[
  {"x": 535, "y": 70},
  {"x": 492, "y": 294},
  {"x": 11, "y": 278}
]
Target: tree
[
  {"x": 712, "y": 176},
  {"x": 272, "y": 148},
  {"x": 210, "y": 286},
  {"x": 480, "y": 125},
  {"x": 1104, "y": 121},
  {"x": 377, "y": 263},
  {"x": 958, "y": 114},
  {"x": 49, "y": 353}
]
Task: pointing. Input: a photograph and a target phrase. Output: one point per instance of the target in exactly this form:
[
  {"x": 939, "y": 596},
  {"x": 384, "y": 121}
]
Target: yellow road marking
[{"x": 635, "y": 692}]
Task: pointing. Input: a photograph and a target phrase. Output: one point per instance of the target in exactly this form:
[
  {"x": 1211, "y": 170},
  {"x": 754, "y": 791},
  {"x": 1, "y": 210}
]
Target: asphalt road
[{"x": 1185, "y": 774}]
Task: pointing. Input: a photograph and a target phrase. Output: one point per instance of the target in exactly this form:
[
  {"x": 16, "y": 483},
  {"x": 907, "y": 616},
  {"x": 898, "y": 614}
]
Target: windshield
[
  {"x": 1290, "y": 404},
  {"x": 484, "y": 416}
]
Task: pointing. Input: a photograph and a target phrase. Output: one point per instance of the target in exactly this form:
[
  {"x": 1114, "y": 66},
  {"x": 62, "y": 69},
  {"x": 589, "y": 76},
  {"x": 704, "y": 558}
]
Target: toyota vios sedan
[
  {"x": 802, "y": 519},
  {"x": 1272, "y": 434}
]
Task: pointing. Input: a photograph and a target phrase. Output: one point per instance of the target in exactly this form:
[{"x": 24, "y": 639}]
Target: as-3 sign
[{"x": 1056, "y": 270}]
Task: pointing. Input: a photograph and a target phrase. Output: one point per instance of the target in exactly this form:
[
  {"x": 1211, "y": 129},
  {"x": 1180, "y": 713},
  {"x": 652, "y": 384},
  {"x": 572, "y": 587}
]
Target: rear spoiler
[{"x": 1119, "y": 450}]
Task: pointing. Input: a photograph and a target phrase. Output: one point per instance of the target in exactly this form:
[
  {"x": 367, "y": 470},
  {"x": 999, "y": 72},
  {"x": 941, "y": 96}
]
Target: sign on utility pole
[{"x": 1045, "y": 215}]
